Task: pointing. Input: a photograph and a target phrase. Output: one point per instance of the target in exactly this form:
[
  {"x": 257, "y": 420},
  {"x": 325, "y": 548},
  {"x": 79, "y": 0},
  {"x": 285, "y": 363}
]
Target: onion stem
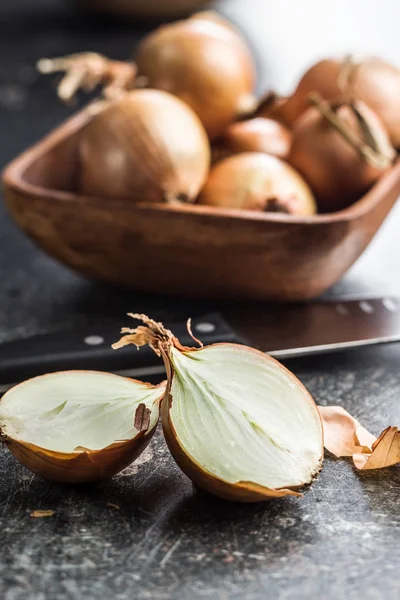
[
  {"x": 87, "y": 70},
  {"x": 373, "y": 157},
  {"x": 346, "y": 76}
]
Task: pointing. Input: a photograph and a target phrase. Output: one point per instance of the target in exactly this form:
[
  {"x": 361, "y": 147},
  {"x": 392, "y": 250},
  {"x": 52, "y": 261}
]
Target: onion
[
  {"x": 79, "y": 426},
  {"x": 372, "y": 80},
  {"x": 206, "y": 64},
  {"x": 203, "y": 60},
  {"x": 341, "y": 150},
  {"x": 377, "y": 83},
  {"x": 237, "y": 422},
  {"x": 257, "y": 135},
  {"x": 257, "y": 181},
  {"x": 148, "y": 146},
  {"x": 321, "y": 77}
]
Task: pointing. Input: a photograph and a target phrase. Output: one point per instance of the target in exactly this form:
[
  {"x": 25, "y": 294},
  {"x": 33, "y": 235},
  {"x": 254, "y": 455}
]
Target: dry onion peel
[
  {"x": 345, "y": 436},
  {"x": 237, "y": 422},
  {"x": 79, "y": 426},
  {"x": 87, "y": 70}
]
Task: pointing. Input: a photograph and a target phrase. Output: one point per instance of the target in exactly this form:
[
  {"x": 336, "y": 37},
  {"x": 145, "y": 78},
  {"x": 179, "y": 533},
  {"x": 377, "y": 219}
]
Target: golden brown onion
[
  {"x": 372, "y": 80},
  {"x": 147, "y": 146},
  {"x": 321, "y": 77},
  {"x": 337, "y": 171},
  {"x": 257, "y": 135},
  {"x": 206, "y": 64},
  {"x": 256, "y": 181},
  {"x": 377, "y": 83}
]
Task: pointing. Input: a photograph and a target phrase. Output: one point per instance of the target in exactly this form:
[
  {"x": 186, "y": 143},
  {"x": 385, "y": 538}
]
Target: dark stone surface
[{"x": 148, "y": 533}]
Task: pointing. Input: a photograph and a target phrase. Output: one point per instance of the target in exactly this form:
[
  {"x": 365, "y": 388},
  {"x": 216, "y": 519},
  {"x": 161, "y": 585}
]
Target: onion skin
[
  {"x": 256, "y": 181},
  {"x": 257, "y": 135},
  {"x": 147, "y": 146},
  {"x": 81, "y": 466},
  {"x": 206, "y": 64},
  {"x": 335, "y": 170}
]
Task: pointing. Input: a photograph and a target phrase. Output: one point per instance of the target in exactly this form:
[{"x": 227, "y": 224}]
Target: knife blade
[{"x": 283, "y": 331}]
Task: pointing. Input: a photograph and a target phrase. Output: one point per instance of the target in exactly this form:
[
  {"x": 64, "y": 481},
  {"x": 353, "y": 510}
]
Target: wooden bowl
[{"x": 193, "y": 251}]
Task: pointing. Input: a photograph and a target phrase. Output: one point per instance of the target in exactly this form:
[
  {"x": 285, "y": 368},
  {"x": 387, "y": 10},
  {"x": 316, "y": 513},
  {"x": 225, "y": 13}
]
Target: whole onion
[
  {"x": 147, "y": 146},
  {"x": 205, "y": 63},
  {"x": 341, "y": 150},
  {"x": 257, "y": 135},
  {"x": 377, "y": 83},
  {"x": 321, "y": 77},
  {"x": 256, "y": 181},
  {"x": 372, "y": 80}
]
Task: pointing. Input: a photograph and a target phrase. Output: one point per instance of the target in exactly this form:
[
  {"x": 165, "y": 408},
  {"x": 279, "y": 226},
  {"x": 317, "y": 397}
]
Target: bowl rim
[{"x": 13, "y": 178}]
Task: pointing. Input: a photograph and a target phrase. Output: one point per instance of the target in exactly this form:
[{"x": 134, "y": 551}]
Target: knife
[{"x": 283, "y": 331}]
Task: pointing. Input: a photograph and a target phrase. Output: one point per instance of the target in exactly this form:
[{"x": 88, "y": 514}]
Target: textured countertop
[{"x": 148, "y": 533}]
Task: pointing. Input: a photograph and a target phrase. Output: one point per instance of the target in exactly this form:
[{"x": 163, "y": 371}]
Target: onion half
[
  {"x": 237, "y": 422},
  {"x": 79, "y": 426}
]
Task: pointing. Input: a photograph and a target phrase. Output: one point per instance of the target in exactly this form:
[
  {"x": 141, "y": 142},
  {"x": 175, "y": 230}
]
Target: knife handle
[{"x": 91, "y": 350}]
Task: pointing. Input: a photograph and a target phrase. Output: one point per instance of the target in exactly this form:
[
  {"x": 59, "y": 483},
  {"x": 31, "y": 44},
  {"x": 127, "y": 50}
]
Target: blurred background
[{"x": 36, "y": 293}]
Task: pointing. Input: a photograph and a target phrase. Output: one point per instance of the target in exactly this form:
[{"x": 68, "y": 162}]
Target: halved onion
[
  {"x": 79, "y": 426},
  {"x": 237, "y": 422}
]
